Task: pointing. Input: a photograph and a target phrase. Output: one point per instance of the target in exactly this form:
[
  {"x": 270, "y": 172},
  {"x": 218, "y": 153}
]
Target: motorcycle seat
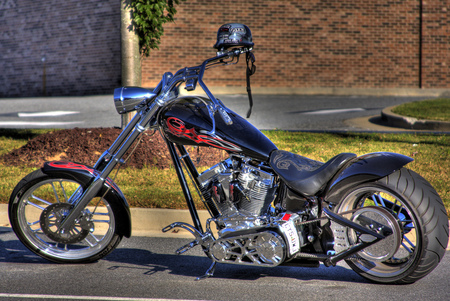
[{"x": 305, "y": 175}]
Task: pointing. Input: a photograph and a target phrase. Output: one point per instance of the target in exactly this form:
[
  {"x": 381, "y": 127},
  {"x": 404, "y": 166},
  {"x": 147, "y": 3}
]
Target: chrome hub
[{"x": 51, "y": 219}]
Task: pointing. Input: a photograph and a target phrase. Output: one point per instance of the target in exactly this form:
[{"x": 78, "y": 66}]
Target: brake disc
[
  {"x": 383, "y": 222},
  {"x": 51, "y": 219},
  {"x": 376, "y": 219}
]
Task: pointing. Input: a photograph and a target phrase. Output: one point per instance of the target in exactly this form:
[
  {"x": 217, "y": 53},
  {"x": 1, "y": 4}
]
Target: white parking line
[
  {"x": 70, "y": 297},
  {"x": 48, "y": 114},
  {"x": 320, "y": 112},
  {"x": 43, "y": 123}
]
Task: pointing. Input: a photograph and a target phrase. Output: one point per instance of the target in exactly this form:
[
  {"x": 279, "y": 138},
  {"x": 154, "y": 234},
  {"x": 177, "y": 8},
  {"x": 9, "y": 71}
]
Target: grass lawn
[{"x": 154, "y": 188}]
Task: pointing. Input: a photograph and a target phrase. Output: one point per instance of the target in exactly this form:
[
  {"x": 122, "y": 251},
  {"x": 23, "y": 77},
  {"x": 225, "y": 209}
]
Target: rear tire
[
  {"x": 423, "y": 222},
  {"x": 37, "y": 206}
]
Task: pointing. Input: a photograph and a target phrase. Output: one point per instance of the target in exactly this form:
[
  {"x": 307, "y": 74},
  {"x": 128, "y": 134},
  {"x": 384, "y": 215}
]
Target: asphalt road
[
  {"x": 146, "y": 268},
  {"x": 286, "y": 112}
]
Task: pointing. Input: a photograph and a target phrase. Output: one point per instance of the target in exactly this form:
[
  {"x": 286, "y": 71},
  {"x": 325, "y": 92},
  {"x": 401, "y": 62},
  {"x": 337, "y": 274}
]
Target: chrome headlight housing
[{"x": 127, "y": 99}]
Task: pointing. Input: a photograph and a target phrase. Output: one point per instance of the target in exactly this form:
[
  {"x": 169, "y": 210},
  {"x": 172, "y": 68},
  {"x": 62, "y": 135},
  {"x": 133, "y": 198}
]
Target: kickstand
[{"x": 209, "y": 272}]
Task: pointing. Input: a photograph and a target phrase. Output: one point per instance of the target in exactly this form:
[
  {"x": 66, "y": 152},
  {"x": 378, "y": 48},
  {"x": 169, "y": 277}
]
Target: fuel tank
[{"x": 186, "y": 121}]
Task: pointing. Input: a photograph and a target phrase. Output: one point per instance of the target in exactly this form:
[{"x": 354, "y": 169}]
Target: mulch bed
[{"x": 85, "y": 145}]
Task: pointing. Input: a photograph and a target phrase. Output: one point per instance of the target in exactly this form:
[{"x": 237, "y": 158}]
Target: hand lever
[{"x": 225, "y": 116}]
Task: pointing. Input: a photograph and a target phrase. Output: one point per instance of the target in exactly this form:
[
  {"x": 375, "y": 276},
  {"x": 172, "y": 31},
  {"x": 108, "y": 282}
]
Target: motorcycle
[{"x": 268, "y": 207}]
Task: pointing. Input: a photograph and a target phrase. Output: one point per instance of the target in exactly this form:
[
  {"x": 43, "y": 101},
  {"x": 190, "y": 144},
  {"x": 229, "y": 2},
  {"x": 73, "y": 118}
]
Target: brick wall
[
  {"x": 313, "y": 43},
  {"x": 80, "y": 41},
  {"x": 298, "y": 44}
]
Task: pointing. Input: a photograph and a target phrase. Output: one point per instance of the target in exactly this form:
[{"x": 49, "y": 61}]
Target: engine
[
  {"x": 249, "y": 231},
  {"x": 237, "y": 187}
]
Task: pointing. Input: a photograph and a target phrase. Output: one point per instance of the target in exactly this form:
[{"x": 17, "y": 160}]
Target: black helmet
[{"x": 233, "y": 35}]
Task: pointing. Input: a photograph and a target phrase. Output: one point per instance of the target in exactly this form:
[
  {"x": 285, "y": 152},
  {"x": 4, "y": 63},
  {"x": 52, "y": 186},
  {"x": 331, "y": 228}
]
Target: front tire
[
  {"x": 39, "y": 203},
  {"x": 421, "y": 215}
]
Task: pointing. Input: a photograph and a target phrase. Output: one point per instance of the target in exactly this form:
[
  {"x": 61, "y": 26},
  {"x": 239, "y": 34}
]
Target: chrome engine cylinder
[
  {"x": 234, "y": 185},
  {"x": 259, "y": 188}
]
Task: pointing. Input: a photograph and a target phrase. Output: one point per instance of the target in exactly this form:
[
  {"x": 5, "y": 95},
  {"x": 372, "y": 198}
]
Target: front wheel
[
  {"x": 40, "y": 202},
  {"x": 418, "y": 219}
]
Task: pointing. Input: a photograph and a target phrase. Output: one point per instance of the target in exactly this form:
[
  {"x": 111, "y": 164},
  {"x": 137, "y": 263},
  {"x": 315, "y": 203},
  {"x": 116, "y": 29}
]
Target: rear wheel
[
  {"x": 40, "y": 202},
  {"x": 418, "y": 221}
]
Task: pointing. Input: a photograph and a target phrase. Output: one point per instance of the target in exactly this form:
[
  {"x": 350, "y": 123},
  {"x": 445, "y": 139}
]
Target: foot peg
[
  {"x": 187, "y": 247},
  {"x": 200, "y": 239},
  {"x": 203, "y": 239},
  {"x": 184, "y": 226}
]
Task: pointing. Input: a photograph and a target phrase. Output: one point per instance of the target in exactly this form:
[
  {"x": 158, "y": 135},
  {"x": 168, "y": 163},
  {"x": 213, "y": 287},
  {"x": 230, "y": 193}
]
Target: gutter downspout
[{"x": 420, "y": 43}]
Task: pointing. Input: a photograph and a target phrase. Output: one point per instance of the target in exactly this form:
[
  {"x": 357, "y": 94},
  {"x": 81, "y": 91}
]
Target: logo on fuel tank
[{"x": 177, "y": 127}]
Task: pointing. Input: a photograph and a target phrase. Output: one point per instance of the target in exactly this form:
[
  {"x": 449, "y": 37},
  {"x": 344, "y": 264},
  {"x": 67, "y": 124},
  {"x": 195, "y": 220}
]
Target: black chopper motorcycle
[{"x": 268, "y": 207}]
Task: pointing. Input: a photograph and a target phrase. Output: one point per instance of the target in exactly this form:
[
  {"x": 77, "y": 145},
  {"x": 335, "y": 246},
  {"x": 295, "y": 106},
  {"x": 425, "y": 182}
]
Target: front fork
[{"x": 108, "y": 161}]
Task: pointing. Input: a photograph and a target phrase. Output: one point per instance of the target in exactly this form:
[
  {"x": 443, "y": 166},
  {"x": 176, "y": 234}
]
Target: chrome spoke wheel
[
  {"x": 43, "y": 206},
  {"x": 409, "y": 236},
  {"x": 407, "y": 206}
]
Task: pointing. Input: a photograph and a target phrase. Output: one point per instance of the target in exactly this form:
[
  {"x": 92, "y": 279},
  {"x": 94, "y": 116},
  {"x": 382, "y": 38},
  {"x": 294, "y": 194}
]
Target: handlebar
[{"x": 193, "y": 75}]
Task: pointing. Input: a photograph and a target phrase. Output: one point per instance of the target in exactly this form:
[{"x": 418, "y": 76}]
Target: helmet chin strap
[{"x": 251, "y": 68}]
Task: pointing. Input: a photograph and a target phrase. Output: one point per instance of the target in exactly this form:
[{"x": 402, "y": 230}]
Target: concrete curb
[
  {"x": 333, "y": 91},
  {"x": 145, "y": 221},
  {"x": 412, "y": 123},
  {"x": 150, "y": 222}
]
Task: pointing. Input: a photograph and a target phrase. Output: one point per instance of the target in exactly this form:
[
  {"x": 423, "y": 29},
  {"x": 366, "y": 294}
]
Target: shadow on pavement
[{"x": 155, "y": 257}]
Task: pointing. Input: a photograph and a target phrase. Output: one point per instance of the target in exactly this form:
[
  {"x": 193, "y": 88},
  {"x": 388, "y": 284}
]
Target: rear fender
[
  {"x": 367, "y": 168},
  {"x": 84, "y": 175}
]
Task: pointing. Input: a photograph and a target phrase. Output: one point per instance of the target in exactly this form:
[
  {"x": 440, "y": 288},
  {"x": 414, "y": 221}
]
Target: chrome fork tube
[
  {"x": 120, "y": 148},
  {"x": 106, "y": 156}
]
